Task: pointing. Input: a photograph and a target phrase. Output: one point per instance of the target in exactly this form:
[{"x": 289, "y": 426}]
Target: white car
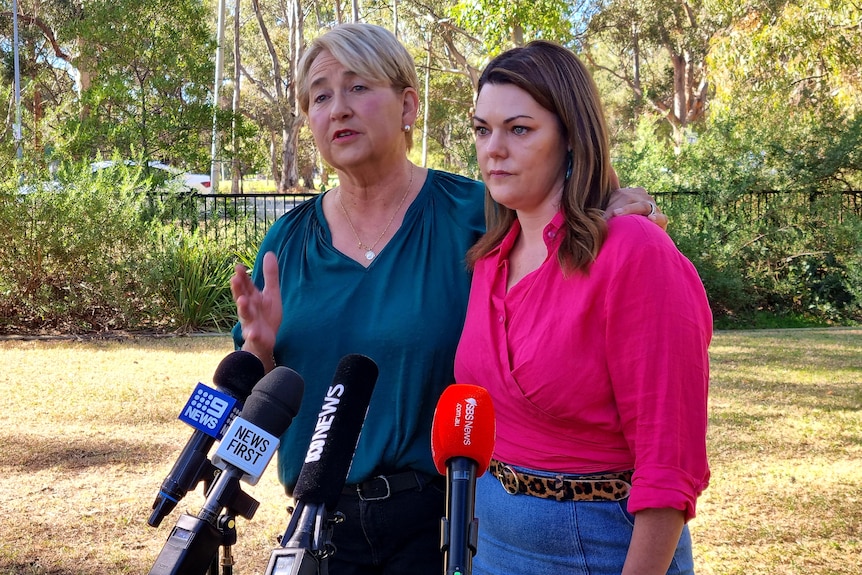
[{"x": 199, "y": 183}]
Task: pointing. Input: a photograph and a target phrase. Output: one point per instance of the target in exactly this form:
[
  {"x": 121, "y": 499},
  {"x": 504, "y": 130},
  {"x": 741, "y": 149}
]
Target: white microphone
[{"x": 246, "y": 449}]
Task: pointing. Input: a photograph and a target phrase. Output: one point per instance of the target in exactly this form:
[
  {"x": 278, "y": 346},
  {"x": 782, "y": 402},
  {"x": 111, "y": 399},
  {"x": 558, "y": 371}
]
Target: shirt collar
[{"x": 552, "y": 235}]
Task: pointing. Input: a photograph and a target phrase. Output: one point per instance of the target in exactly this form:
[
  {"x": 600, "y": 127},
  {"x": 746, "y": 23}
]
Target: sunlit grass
[
  {"x": 92, "y": 431},
  {"x": 785, "y": 445}
]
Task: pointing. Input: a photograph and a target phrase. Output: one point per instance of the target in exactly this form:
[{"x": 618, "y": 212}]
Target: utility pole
[{"x": 215, "y": 166}]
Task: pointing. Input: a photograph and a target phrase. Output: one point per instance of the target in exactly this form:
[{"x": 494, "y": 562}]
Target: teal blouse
[{"x": 405, "y": 311}]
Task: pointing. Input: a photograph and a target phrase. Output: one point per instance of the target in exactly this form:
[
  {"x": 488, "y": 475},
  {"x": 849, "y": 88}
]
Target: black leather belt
[{"x": 384, "y": 486}]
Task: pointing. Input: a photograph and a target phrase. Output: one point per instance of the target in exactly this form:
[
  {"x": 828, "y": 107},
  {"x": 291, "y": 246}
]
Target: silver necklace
[{"x": 370, "y": 254}]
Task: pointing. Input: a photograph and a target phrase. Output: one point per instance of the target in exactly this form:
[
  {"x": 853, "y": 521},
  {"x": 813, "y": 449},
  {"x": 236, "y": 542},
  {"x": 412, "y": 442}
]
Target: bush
[
  {"x": 69, "y": 257},
  {"x": 195, "y": 273},
  {"x": 101, "y": 254},
  {"x": 762, "y": 220}
]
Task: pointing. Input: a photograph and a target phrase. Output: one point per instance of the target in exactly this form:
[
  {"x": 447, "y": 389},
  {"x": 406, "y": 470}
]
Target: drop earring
[{"x": 568, "y": 165}]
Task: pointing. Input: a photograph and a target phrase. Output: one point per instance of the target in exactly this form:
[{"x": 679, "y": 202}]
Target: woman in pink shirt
[{"x": 591, "y": 337}]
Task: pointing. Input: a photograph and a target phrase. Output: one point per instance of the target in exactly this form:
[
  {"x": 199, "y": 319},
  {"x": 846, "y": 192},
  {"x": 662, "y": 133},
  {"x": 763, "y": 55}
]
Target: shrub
[
  {"x": 69, "y": 256},
  {"x": 98, "y": 254},
  {"x": 194, "y": 272}
]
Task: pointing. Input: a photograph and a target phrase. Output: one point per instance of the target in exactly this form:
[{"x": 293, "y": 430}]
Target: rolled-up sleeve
[{"x": 659, "y": 327}]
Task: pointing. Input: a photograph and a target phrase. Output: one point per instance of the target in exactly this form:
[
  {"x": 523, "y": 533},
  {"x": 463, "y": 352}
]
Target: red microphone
[{"x": 462, "y": 441}]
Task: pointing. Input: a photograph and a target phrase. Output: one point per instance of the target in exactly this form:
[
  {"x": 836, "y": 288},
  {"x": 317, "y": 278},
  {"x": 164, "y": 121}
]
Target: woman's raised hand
[{"x": 259, "y": 311}]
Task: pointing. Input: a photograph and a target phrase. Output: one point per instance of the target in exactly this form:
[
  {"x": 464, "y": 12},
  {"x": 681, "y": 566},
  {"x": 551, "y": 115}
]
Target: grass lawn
[{"x": 91, "y": 430}]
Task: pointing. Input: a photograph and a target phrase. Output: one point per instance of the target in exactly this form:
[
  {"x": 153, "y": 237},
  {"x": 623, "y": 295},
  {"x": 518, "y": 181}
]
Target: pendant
[{"x": 369, "y": 255}]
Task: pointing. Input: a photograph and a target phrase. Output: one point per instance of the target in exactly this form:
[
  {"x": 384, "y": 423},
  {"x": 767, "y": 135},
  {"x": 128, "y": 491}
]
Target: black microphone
[
  {"x": 244, "y": 452},
  {"x": 462, "y": 442},
  {"x": 306, "y": 540},
  {"x": 209, "y": 412}
]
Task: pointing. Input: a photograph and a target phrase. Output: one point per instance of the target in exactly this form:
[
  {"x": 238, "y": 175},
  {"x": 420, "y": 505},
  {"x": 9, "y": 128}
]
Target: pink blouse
[{"x": 601, "y": 372}]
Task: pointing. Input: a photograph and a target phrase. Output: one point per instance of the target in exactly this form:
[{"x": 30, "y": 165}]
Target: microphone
[
  {"x": 208, "y": 411},
  {"x": 306, "y": 541},
  {"x": 462, "y": 441},
  {"x": 244, "y": 452}
]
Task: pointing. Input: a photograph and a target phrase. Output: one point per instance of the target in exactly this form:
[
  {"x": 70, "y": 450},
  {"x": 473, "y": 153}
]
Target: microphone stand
[
  {"x": 192, "y": 547},
  {"x": 307, "y": 542},
  {"x": 227, "y": 526},
  {"x": 460, "y": 531}
]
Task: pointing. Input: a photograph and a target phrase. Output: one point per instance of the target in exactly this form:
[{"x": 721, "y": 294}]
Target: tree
[
  {"x": 503, "y": 24},
  {"x": 142, "y": 72},
  {"x": 41, "y": 60},
  {"x": 276, "y": 82},
  {"x": 658, "y": 50},
  {"x": 150, "y": 92},
  {"x": 791, "y": 54}
]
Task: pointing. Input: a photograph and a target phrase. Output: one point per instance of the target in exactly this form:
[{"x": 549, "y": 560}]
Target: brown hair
[{"x": 560, "y": 83}]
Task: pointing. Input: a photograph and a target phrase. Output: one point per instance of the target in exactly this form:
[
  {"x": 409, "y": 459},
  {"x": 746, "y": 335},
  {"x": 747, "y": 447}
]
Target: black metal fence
[
  {"x": 238, "y": 219},
  {"x": 756, "y": 205},
  {"x": 243, "y": 219}
]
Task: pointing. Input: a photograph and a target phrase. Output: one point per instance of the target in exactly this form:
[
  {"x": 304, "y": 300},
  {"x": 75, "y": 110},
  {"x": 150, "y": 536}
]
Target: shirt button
[
  {"x": 552, "y": 234},
  {"x": 501, "y": 319}
]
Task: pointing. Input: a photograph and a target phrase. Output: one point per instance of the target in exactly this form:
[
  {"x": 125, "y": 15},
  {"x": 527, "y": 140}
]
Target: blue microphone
[
  {"x": 208, "y": 411},
  {"x": 247, "y": 446}
]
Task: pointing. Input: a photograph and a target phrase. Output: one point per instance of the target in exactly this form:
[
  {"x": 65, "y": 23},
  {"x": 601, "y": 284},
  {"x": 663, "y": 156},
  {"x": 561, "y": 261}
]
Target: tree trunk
[
  {"x": 679, "y": 111},
  {"x": 289, "y": 174},
  {"x": 285, "y": 102}
]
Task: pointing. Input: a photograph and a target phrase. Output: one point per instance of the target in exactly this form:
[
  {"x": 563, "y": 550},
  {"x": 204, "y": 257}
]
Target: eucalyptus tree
[
  {"x": 271, "y": 69},
  {"x": 282, "y": 29},
  {"x": 44, "y": 62},
  {"x": 448, "y": 59},
  {"x": 658, "y": 50},
  {"x": 141, "y": 71},
  {"x": 797, "y": 72},
  {"x": 502, "y": 24},
  {"x": 151, "y": 69}
]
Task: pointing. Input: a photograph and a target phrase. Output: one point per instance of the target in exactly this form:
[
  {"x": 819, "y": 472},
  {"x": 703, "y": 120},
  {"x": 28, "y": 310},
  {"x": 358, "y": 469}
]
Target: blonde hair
[
  {"x": 370, "y": 51},
  {"x": 560, "y": 83}
]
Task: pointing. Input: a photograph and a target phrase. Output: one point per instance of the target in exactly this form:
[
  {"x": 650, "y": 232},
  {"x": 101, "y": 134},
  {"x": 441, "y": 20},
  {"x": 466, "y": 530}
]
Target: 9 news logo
[{"x": 208, "y": 410}]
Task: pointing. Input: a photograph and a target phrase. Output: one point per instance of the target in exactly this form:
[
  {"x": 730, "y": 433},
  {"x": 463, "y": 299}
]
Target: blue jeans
[
  {"x": 534, "y": 536},
  {"x": 399, "y": 535}
]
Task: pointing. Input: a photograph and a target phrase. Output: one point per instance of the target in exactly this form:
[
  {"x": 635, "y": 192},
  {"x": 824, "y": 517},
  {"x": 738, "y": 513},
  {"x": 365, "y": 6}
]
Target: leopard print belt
[{"x": 601, "y": 487}]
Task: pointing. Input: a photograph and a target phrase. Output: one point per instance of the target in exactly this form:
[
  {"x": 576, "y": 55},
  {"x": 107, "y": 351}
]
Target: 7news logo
[{"x": 209, "y": 410}]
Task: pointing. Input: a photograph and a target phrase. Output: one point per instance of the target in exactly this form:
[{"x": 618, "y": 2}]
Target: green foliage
[
  {"x": 762, "y": 211},
  {"x": 195, "y": 274},
  {"x": 450, "y": 133},
  {"x": 801, "y": 51},
  {"x": 505, "y": 23},
  {"x": 90, "y": 253},
  {"x": 71, "y": 257},
  {"x": 646, "y": 158},
  {"x": 150, "y": 67},
  {"x": 757, "y": 185}
]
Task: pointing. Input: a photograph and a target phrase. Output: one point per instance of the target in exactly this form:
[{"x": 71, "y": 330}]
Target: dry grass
[
  {"x": 785, "y": 447},
  {"x": 92, "y": 429},
  {"x": 91, "y": 434}
]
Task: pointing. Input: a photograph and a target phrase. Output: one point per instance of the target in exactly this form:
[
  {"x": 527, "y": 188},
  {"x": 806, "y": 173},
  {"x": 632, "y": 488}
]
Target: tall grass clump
[{"x": 195, "y": 274}]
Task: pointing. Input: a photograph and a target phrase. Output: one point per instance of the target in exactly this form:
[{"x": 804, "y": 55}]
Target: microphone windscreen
[
  {"x": 464, "y": 426},
  {"x": 237, "y": 373},
  {"x": 336, "y": 433},
  {"x": 274, "y": 401}
]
